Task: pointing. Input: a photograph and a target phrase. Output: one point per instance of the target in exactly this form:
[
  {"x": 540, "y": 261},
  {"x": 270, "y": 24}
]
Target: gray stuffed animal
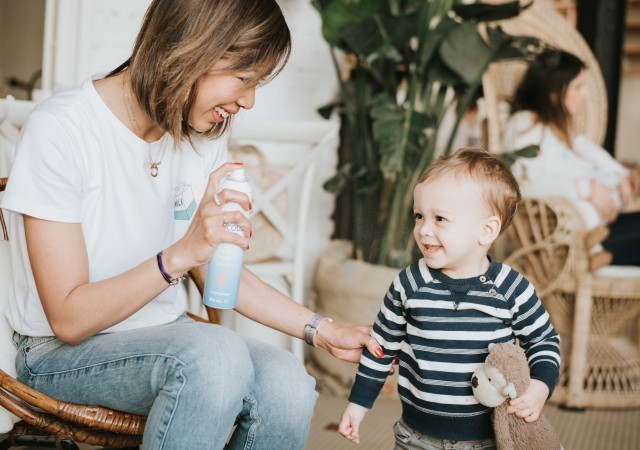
[{"x": 504, "y": 375}]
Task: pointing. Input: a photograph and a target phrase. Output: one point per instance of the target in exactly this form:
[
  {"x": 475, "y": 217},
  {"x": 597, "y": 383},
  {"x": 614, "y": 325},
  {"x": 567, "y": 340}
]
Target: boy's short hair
[{"x": 501, "y": 190}]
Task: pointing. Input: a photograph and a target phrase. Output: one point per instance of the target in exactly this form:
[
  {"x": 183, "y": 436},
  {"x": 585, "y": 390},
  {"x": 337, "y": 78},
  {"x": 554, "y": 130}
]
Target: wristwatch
[{"x": 311, "y": 328}]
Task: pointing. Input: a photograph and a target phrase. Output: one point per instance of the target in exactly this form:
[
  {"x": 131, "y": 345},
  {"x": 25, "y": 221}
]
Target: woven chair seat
[{"x": 42, "y": 415}]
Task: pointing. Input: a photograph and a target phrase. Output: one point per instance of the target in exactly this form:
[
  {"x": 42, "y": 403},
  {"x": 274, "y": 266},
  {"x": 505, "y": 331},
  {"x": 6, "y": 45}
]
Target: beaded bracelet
[{"x": 165, "y": 275}]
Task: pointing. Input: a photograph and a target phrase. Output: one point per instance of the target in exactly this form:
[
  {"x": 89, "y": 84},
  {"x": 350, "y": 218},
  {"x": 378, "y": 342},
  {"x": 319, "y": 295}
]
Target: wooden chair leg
[
  {"x": 579, "y": 343},
  {"x": 5, "y": 443},
  {"x": 67, "y": 444},
  {"x": 35, "y": 441}
]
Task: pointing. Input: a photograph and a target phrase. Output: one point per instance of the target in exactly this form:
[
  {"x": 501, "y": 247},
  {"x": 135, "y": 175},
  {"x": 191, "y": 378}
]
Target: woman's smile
[{"x": 219, "y": 114}]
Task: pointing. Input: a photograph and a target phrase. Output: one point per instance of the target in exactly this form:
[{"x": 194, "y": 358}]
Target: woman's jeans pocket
[{"x": 30, "y": 353}]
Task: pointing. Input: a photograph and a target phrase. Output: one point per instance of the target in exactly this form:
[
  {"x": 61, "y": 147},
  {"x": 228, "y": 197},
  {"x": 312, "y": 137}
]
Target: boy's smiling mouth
[{"x": 429, "y": 248}]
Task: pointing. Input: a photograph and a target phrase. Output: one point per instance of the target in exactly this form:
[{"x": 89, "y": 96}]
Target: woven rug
[
  {"x": 586, "y": 430},
  {"x": 578, "y": 430}
]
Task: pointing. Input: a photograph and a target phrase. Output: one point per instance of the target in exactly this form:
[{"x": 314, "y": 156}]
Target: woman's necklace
[{"x": 153, "y": 168}]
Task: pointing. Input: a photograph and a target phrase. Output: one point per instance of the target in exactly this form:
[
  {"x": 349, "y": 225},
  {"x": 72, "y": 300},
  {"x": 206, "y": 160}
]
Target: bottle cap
[{"x": 237, "y": 175}]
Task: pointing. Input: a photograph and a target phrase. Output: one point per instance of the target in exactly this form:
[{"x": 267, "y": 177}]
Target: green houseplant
[{"x": 410, "y": 61}]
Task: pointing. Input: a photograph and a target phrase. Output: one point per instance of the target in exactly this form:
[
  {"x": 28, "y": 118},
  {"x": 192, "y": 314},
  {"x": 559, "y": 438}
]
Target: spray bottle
[{"x": 225, "y": 268}]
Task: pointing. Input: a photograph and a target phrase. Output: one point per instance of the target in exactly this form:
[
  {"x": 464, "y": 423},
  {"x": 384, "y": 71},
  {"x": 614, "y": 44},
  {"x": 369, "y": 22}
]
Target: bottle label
[
  {"x": 223, "y": 278},
  {"x": 225, "y": 268},
  {"x": 234, "y": 228}
]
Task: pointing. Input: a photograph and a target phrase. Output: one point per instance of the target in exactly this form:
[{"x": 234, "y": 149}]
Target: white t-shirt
[
  {"x": 77, "y": 162},
  {"x": 560, "y": 170}
]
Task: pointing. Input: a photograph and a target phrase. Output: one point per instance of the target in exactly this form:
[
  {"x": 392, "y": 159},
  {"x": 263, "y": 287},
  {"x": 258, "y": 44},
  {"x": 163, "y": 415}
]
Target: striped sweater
[{"x": 440, "y": 328}]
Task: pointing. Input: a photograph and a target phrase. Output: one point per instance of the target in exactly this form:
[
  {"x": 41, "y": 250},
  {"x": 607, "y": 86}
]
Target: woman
[
  {"x": 103, "y": 197},
  {"x": 552, "y": 91}
]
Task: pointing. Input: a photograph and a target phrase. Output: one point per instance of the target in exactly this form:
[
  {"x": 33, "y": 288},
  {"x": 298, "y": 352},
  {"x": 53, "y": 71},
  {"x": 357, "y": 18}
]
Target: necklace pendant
[{"x": 154, "y": 169}]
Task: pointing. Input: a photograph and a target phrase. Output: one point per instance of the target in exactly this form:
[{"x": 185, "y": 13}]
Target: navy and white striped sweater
[{"x": 441, "y": 328}]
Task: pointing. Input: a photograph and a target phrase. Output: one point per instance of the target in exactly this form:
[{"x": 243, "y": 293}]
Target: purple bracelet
[{"x": 164, "y": 273}]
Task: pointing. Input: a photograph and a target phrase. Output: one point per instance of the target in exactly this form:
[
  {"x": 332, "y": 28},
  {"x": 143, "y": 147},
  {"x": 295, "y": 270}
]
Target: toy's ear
[
  {"x": 509, "y": 391},
  {"x": 491, "y": 345}
]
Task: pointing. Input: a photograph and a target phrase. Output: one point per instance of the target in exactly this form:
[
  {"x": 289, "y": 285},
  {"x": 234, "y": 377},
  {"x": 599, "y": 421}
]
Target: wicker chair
[
  {"x": 48, "y": 422},
  {"x": 597, "y": 314},
  {"x": 500, "y": 81}
]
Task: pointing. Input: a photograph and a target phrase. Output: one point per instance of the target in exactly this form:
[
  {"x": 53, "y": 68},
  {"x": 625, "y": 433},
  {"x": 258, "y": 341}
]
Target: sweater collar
[{"x": 468, "y": 283}]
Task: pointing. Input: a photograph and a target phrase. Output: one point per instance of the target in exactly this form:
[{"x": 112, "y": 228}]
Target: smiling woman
[
  {"x": 97, "y": 199},
  {"x": 181, "y": 43},
  {"x": 221, "y": 93}
]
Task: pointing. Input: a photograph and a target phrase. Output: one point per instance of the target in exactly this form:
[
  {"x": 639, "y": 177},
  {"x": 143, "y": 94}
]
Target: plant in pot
[{"x": 403, "y": 66}]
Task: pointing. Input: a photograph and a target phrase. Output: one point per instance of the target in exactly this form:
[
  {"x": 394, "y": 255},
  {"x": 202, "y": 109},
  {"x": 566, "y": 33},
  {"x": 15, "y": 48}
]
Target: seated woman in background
[{"x": 570, "y": 165}]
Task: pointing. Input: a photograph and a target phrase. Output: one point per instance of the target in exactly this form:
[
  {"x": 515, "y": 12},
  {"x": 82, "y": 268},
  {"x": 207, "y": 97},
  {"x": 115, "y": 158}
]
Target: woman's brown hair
[
  {"x": 543, "y": 88},
  {"x": 181, "y": 40}
]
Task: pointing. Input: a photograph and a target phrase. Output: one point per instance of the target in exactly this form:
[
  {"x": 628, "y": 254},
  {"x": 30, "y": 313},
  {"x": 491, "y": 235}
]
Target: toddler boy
[{"x": 441, "y": 313}]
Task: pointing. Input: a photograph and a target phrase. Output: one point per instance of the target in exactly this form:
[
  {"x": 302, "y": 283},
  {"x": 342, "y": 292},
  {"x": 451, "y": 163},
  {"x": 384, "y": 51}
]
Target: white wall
[
  {"x": 87, "y": 37},
  {"x": 628, "y": 133},
  {"x": 21, "y": 36}
]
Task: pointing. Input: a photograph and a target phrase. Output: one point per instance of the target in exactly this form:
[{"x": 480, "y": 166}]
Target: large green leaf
[
  {"x": 338, "y": 13},
  {"x": 530, "y": 151},
  {"x": 368, "y": 39},
  {"x": 438, "y": 71},
  {"x": 431, "y": 39},
  {"x": 465, "y": 52},
  {"x": 510, "y": 46},
  {"x": 488, "y": 12},
  {"x": 399, "y": 30},
  {"x": 348, "y": 174},
  {"x": 398, "y": 132}
]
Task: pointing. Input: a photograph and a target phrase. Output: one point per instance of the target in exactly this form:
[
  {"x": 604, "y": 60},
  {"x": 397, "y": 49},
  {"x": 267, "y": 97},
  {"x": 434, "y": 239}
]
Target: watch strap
[{"x": 311, "y": 328}]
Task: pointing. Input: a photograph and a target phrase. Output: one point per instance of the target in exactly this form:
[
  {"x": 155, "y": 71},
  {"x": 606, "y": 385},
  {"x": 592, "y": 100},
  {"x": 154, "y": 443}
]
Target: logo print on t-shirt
[{"x": 184, "y": 203}]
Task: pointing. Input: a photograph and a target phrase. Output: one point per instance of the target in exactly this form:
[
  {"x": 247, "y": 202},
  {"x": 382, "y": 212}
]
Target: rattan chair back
[{"x": 499, "y": 83}]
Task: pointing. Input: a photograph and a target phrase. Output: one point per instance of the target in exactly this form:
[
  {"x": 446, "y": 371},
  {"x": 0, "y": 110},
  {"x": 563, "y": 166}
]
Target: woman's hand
[
  {"x": 346, "y": 343},
  {"x": 634, "y": 180},
  {"x": 529, "y": 405},
  {"x": 602, "y": 198},
  {"x": 207, "y": 229},
  {"x": 625, "y": 190}
]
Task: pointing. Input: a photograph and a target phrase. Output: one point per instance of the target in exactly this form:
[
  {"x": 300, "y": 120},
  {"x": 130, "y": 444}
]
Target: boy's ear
[{"x": 491, "y": 230}]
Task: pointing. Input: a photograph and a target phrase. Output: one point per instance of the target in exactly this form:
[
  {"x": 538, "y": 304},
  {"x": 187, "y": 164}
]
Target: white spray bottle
[{"x": 225, "y": 268}]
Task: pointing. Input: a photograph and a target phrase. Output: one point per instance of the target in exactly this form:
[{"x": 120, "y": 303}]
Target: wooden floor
[
  {"x": 587, "y": 430},
  {"x": 578, "y": 430}
]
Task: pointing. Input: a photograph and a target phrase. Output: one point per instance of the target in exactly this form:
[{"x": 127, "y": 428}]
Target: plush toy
[{"x": 505, "y": 375}]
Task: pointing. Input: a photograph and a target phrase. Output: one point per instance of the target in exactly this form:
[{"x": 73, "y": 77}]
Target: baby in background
[{"x": 441, "y": 313}]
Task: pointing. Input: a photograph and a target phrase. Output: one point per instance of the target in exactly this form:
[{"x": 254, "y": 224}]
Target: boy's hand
[
  {"x": 529, "y": 405},
  {"x": 350, "y": 422}
]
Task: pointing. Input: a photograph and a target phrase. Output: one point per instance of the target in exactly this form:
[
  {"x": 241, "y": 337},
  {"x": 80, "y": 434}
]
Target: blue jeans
[{"x": 193, "y": 380}]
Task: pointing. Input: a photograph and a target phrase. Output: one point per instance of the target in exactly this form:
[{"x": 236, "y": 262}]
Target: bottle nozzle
[{"x": 237, "y": 175}]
